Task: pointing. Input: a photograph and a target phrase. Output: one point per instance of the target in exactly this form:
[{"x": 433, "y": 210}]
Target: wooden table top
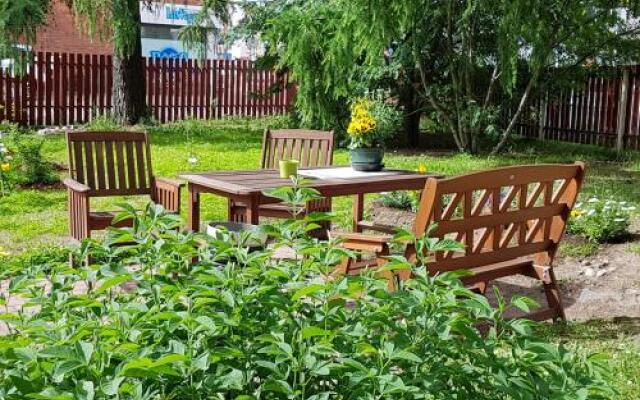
[{"x": 250, "y": 182}]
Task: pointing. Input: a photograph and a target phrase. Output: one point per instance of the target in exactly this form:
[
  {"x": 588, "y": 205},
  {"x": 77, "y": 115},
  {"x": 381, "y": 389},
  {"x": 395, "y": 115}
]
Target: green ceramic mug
[{"x": 288, "y": 168}]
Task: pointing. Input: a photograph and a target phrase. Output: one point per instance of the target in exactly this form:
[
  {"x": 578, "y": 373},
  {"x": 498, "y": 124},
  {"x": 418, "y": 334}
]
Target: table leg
[
  {"x": 252, "y": 213},
  {"x": 194, "y": 208},
  {"x": 358, "y": 211}
]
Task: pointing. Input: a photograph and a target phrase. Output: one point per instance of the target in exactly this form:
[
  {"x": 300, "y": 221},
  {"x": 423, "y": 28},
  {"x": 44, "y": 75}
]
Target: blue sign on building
[
  {"x": 180, "y": 13},
  {"x": 169, "y": 52}
]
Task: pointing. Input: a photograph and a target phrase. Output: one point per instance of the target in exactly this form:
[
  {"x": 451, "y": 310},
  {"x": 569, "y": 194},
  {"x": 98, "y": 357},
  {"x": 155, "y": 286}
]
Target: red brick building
[
  {"x": 160, "y": 27},
  {"x": 62, "y": 34}
]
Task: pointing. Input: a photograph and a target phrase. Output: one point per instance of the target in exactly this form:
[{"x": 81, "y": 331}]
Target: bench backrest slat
[
  {"x": 500, "y": 215},
  {"x": 111, "y": 163}
]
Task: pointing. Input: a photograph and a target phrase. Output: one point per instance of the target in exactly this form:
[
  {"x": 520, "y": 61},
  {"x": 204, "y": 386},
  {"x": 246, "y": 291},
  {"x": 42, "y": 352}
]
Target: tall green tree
[
  {"x": 475, "y": 56},
  {"x": 463, "y": 61}
]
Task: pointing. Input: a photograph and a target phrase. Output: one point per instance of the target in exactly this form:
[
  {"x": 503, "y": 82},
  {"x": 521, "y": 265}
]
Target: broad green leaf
[
  {"x": 312, "y": 331},
  {"x": 111, "y": 282},
  {"x": 305, "y": 291}
]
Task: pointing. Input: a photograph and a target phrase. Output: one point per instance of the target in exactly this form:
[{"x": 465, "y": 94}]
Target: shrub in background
[
  {"x": 34, "y": 168},
  {"x": 401, "y": 200},
  {"x": 102, "y": 122},
  {"x": 6, "y": 167},
  {"x": 601, "y": 221},
  {"x": 242, "y": 325}
]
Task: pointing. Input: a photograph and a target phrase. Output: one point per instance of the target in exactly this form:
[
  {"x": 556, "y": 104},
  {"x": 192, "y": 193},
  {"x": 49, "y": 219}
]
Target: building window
[{"x": 166, "y": 32}]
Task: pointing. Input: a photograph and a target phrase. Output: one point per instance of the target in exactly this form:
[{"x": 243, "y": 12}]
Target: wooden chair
[
  {"x": 311, "y": 148},
  {"x": 111, "y": 164},
  {"x": 510, "y": 220}
]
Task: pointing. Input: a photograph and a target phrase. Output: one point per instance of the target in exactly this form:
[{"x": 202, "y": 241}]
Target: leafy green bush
[
  {"x": 8, "y": 128},
  {"x": 34, "y": 168},
  {"x": 102, "y": 122},
  {"x": 144, "y": 322},
  {"x": 601, "y": 221},
  {"x": 401, "y": 200},
  {"x": 38, "y": 256},
  {"x": 6, "y": 167}
]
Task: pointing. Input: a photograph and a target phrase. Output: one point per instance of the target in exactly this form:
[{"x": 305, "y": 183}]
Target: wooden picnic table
[{"x": 247, "y": 187}]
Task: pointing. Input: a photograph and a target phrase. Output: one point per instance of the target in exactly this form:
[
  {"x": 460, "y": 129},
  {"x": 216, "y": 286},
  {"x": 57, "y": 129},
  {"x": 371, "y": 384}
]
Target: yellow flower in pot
[{"x": 371, "y": 122}]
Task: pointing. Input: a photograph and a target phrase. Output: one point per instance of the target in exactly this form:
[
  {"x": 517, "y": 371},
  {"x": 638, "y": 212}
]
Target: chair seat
[{"x": 99, "y": 220}]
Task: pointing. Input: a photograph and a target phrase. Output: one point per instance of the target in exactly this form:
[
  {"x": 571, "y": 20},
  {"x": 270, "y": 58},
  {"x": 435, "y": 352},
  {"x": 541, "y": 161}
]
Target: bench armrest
[
  {"x": 76, "y": 186},
  {"x": 167, "y": 193},
  {"x": 359, "y": 241},
  {"x": 162, "y": 181}
]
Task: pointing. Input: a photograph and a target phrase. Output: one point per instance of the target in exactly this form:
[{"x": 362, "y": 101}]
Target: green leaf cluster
[
  {"x": 473, "y": 65},
  {"x": 146, "y": 321}
]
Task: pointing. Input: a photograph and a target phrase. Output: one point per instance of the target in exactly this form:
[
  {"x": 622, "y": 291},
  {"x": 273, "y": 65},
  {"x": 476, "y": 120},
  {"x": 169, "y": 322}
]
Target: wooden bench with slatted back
[
  {"x": 105, "y": 164},
  {"x": 510, "y": 221},
  {"x": 311, "y": 148}
]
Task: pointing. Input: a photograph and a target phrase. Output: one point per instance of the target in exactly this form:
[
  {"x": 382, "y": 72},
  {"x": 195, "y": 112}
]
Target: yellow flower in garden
[
  {"x": 576, "y": 212},
  {"x": 4, "y": 253},
  {"x": 422, "y": 168},
  {"x": 5, "y": 167}
]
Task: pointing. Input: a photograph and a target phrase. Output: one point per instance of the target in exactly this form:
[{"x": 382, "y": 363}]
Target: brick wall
[{"x": 62, "y": 34}]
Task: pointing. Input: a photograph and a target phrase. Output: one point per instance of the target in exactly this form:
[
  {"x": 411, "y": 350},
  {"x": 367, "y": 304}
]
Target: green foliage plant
[
  {"x": 6, "y": 167},
  {"x": 402, "y": 200},
  {"x": 103, "y": 122},
  {"x": 473, "y": 66},
  {"x": 601, "y": 221},
  {"x": 147, "y": 321},
  {"x": 34, "y": 168}
]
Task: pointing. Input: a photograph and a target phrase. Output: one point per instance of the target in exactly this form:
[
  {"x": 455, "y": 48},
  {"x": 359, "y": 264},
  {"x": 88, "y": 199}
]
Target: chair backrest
[
  {"x": 500, "y": 215},
  {"x": 111, "y": 163},
  {"x": 311, "y": 148}
]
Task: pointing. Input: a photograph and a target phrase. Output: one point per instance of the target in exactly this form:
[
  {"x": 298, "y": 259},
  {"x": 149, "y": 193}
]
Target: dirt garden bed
[{"x": 605, "y": 285}]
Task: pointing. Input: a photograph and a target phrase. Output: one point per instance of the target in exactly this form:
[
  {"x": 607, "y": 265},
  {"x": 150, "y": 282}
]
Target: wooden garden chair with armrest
[
  {"x": 105, "y": 164},
  {"x": 510, "y": 220},
  {"x": 310, "y": 147}
]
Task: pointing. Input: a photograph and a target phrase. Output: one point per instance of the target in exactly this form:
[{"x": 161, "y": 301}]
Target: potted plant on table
[{"x": 372, "y": 121}]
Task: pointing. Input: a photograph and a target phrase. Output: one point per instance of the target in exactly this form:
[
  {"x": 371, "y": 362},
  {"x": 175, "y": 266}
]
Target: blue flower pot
[{"x": 367, "y": 159}]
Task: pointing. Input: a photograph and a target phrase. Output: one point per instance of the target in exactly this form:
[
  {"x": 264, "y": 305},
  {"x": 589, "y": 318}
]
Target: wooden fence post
[
  {"x": 542, "y": 117},
  {"x": 621, "y": 126}
]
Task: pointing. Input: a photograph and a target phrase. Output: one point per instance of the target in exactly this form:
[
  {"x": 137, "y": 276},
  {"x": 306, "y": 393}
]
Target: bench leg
[
  {"x": 554, "y": 299},
  {"x": 388, "y": 275}
]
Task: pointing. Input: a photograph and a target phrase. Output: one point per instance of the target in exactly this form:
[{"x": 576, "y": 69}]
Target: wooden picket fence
[
  {"x": 67, "y": 89},
  {"x": 605, "y": 111}
]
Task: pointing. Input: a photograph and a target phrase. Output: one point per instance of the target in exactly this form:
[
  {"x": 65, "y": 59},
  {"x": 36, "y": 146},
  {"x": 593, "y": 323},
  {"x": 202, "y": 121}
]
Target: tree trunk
[
  {"x": 514, "y": 118},
  {"x": 412, "y": 112},
  {"x": 129, "y": 89}
]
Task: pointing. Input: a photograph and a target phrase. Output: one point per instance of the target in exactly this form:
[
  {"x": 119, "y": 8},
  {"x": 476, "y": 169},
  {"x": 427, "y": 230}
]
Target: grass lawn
[{"x": 30, "y": 218}]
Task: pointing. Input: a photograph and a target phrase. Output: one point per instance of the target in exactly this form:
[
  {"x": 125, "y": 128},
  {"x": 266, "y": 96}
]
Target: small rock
[
  {"x": 604, "y": 263},
  {"x": 586, "y": 263},
  {"x": 589, "y": 272},
  {"x": 602, "y": 272}
]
